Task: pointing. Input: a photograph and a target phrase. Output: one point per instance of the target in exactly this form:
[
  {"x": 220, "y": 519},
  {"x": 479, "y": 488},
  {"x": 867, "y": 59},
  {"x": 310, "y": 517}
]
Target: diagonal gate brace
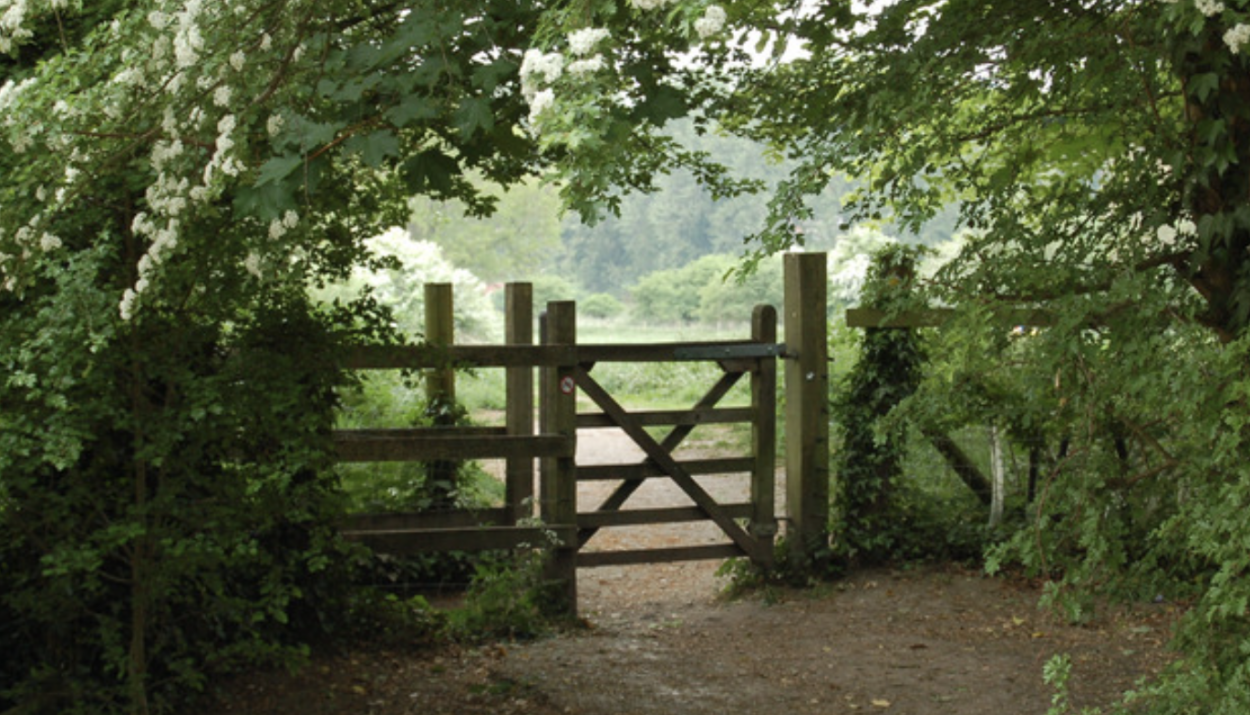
[
  {"x": 674, "y": 439},
  {"x": 754, "y": 549}
]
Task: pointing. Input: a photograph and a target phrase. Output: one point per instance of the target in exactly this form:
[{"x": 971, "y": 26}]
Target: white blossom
[
  {"x": 542, "y": 102},
  {"x": 649, "y": 4},
  {"x": 586, "y": 66},
  {"x": 1166, "y": 235},
  {"x": 712, "y": 22},
  {"x": 127, "y": 306},
  {"x": 1210, "y": 8},
  {"x": 274, "y": 125},
  {"x": 290, "y": 219},
  {"x": 276, "y": 229},
  {"x": 237, "y": 60},
  {"x": 1237, "y": 37},
  {"x": 582, "y": 42},
  {"x": 550, "y": 65},
  {"x": 252, "y": 264},
  {"x": 221, "y": 96}
]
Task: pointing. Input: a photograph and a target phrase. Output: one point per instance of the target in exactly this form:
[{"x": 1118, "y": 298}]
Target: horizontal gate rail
[
  {"x": 639, "y": 472},
  {"x": 660, "y": 418},
  {"x": 478, "y": 538},
  {"x": 662, "y": 515},
  {"x": 588, "y": 353},
  {"x": 435, "y": 443},
  {"x": 587, "y": 559},
  {"x": 396, "y": 357}
]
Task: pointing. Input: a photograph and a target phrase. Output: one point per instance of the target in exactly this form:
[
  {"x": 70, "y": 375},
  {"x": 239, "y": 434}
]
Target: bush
[
  {"x": 166, "y": 512},
  {"x": 600, "y": 305}
]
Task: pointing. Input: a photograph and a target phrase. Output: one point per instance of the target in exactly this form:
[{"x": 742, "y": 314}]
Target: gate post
[
  {"x": 440, "y": 387},
  {"x": 807, "y": 407},
  {"x": 519, "y": 330},
  {"x": 764, "y": 431},
  {"x": 559, "y": 474}
]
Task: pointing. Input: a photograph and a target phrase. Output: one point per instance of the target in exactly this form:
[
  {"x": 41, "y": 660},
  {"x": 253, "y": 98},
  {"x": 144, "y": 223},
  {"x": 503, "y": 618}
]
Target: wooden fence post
[
  {"x": 807, "y": 407},
  {"x": 764, "y": 430},
  {"x": 440, "y": 388},
  {"x": 559, "y": 474},
  {"x": 519, "y": 330}
]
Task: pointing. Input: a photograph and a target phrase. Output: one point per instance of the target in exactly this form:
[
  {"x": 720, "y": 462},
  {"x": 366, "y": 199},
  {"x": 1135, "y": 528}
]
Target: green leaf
[
  {"x": 374, "y": 147},
  {"x": 265, "y": 202},
  {"x": 277, "y": 168},
  {"x": 413, "y": 107},
  {"x": 1202, "y": 85},
  {"x": 473, "y": 114},
  {"x": 663, "y": 104},
  {"x": 430, "y": 171}
]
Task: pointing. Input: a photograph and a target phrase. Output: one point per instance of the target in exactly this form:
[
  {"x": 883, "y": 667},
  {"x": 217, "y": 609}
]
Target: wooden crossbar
[
  {"x": 674, "y": 470},
  {"x": 670, "y": 443},
  {"x": 587, "y": 559}
]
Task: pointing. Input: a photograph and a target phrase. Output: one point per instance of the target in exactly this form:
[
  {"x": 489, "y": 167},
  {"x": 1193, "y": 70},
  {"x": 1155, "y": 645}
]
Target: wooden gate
[
  {"x": 566, "y": 367},
  {"x": 756, "y": 358}
]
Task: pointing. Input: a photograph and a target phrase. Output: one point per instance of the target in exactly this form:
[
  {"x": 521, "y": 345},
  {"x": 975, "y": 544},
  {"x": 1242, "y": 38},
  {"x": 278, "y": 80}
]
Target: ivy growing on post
[{"x": 869, "y": 525}]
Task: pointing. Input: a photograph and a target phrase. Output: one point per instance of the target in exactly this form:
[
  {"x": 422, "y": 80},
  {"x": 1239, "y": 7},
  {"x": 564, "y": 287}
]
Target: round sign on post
[{"x": 567, "y": 384}]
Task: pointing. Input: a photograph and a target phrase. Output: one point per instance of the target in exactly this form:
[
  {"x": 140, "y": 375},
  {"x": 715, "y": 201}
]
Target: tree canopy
[{"x": 178, "y": 173}]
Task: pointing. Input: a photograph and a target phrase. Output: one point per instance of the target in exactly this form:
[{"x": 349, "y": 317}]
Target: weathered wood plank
[
  {"x": 389, "y": 357},
  {"x": 421, "y": 445},
  {"x": 638, "y": 472},
  {"x": 558, "y": 495},
  {"x": 588, "y": 353},
  {"x": 664, "y": 515},
  {"x": 519, "y": 390},
  {"x": 484, "y": 538},
  {"x": 590, "y": 559},
  {"x": 660, "y": 418},
  {"x": 763, "y": 524},
  {"x": 807, "y": 405}
]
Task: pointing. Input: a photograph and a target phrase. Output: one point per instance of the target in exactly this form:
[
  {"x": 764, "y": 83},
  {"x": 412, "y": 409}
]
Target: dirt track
[{"x": 662, "y": 641}]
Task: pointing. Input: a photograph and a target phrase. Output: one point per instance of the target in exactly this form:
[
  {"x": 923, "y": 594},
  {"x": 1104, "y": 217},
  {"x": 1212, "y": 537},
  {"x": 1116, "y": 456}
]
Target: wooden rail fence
[{"x": 565, "y": 367}]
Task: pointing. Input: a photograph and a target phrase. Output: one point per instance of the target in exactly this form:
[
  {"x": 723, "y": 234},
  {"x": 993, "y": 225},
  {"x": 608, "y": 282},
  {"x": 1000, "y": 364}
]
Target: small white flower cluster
[
  {"x": 536, "y": 63},
  {"x": 582, "y": 42},
  {"x": 1237, "y": 37},
  {"x": 279, "y": 226},
  {"x": 649, "y": 4},
  {"x": 1167, "y": 234},
  {"x": 1210, "y": 8},
  {"x": 712, "y": 22},
  {"x": 252, "y": 264},
  {"x": 588, "y": 65},
  {"x": 536, "y": 67},
  {"x": 12, "y": 24},
  {"x": 188, "y": 42},
  {"x": 540, "y": 68}
]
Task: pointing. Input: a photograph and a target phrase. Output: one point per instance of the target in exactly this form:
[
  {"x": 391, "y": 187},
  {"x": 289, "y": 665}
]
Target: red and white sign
[{"x": 568, "y": 384}]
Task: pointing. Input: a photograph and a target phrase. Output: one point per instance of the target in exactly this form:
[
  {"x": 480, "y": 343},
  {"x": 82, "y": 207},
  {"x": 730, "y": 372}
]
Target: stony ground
[{"x": 662, "y": 640}]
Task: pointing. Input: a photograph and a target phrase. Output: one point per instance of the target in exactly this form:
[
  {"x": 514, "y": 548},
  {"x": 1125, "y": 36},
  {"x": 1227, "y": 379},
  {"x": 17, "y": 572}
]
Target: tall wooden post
[
  {"x": 519, "y": 330},
  {"x": 764, "y": 430},
  {"x": 559, "y": 474},
  {"x": 440, "y": 388},
  {"x": 807, "y": 406}
]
